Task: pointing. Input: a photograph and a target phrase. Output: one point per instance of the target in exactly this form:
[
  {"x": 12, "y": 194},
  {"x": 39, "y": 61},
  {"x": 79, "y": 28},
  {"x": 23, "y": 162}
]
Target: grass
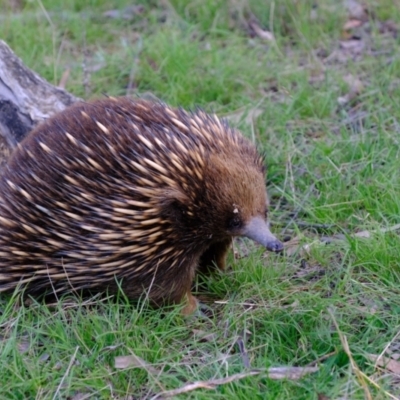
[{"x": 332, "y": 170}]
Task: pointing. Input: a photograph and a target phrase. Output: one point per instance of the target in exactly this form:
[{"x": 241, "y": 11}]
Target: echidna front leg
[
  {"x": 184, "y": 296},
  {"x": 214, "y": 256},
  {"x": 178, "y": 291},
  {"x": 191, "y": 304}
]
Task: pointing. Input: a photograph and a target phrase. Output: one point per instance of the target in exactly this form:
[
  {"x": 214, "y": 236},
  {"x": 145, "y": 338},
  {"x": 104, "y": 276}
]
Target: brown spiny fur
[{"x": 124, "y": 190}]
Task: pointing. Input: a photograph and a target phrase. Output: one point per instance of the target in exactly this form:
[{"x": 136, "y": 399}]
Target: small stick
[{"x": 66, "y": 372}]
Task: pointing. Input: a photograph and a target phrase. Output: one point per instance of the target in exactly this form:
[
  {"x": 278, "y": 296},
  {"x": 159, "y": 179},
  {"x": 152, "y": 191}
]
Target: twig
[
  {"x": 66, "y": 372},
  {"x": 211, "y": 384},
  {"x": 271, "y": 373},
  {"x": 384, "y": 350}
]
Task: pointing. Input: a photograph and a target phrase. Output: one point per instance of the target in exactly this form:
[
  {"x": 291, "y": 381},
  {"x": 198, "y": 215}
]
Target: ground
[{"x": 316, "y": 86}]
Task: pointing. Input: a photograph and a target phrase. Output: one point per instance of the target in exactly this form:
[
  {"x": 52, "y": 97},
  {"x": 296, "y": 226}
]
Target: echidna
[{"x": 131, "y": 193}]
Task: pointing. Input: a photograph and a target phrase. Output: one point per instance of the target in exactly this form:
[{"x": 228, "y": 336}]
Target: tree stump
[{"x": 25, "y": 100}]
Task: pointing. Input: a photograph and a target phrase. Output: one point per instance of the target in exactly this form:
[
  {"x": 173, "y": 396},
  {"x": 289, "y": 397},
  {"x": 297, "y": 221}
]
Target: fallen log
[{"x": 25, "y": 100}]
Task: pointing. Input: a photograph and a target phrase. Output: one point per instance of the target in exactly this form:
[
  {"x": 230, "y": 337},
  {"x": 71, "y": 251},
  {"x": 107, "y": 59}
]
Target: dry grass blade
[
  {"x": 386, "y": 348},
  {"x": 322, "y": 358},
  {"x": 64, "y": 78},
  {"x": 362, "y": 378},
  {"x": 243, "y": 352},
  {"x": 292, "y": 373},
  {"x": 71, "y": 362}
]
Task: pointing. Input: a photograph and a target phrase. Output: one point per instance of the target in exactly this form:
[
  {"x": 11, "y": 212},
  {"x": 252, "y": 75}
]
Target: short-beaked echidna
[{"x": 131, "y": 193}]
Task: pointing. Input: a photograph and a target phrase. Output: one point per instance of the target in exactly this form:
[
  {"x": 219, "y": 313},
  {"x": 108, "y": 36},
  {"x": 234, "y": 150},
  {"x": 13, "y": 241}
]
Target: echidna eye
[{"x": 235, "y": 223}]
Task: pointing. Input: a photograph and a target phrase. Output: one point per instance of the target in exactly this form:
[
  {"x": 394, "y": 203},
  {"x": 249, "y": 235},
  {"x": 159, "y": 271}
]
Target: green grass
[{"x": 328, "y": 164}]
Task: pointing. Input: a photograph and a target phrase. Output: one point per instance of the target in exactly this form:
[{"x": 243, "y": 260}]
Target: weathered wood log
[{"x": 25, "y": 100}]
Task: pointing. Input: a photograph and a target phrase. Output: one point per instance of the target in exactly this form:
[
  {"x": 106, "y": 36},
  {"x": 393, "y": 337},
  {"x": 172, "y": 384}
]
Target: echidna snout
[
  {"x": 128, "y": 193},
  {"x": 257, "y": 230}
]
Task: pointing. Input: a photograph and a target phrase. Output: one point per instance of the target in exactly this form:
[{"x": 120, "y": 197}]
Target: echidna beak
[{"x": 257, "y": 230}]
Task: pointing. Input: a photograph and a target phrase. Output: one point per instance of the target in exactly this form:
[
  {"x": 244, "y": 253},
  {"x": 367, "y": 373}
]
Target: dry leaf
[
  {"x": 206, "y": 336},
  {"x": 294, "y": 246},
  {"x": 363, "y": 234},
  {"x": 355, "y": 84},
  {"x": 356, "y": 10},
  {"x": 352, "y": 24},
  {"x": 355, "y": 88},
  {"x": 23, "y": 343},
  {"x": 292, "y": 373},
  {"x": 385, "y": 362},
  {"x": 368, "y": 234},
  {"x": 23, "y": 346},
  {"x": 389, "y": 27},
  {"x": 367, "y": 310},
  {"x": 353, "y": 46},
  {"x": 133, "y": 361},
  {"x": 44, "y": 357},
  {"x": 57, "y": 366},
  {"x": 390, "y": 229},
  {"x": 246, "y": 115},
  {"x": 266, "y": 35}
]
